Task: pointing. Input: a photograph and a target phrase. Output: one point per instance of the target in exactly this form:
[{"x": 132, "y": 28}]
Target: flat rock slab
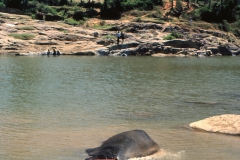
[{"x": 227, "y": 124}]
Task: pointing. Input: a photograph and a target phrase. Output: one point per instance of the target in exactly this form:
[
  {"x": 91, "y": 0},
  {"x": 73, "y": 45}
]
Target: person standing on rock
[
  {"x": 118, "y": 36},
  {"x": 190, "y": 19},
  {"x": 122, "y": 37}
]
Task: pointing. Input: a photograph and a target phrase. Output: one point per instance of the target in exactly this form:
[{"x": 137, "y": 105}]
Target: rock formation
[{"x": 227, "y": 124}]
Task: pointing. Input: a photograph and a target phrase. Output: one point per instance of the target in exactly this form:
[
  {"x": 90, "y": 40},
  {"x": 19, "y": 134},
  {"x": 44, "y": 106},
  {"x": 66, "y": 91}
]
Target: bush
[
  {"x": 179, "y": 5},
  {"x": 138, "y": 19},
  {"x": 25, "y": 28},
  {"x": 226, "y": 26},
  {"x": 71, "y": 21},
  {"x": 169, "y": 37},
  {"x": 2, "y": 5},
  {"x": 172, "y": 35},
  {"x": 137, "y": 4},
  {"x": 176, "y": 35},
  {"x": 23, "y": 36}
]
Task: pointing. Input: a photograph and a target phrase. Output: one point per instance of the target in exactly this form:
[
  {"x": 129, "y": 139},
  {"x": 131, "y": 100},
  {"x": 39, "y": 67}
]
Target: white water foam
[{"x": 163, "y": 155}]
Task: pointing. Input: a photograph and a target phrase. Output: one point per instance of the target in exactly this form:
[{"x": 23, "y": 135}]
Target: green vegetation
[
  {"x": 222, "y": 14},
  {"x": 72, "y": 21},
  {"x": 172, "y": 35},
  {"x": 25, "y": 28},
  {"x": 109, "y": 37},
  {"x": 24, "y": 36}
]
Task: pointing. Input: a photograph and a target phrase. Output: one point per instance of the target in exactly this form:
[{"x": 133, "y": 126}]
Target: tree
[
  {"x": 13, "y": 3},
  {"x": 179, "y": 5}
]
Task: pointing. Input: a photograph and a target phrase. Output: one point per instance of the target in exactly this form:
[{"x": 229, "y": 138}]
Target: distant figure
[
  {"x": 118, "y": 36},
  {"x": 190, "y": 18},
  {"x": 58, "y": 53},
  {"x": 54, "y": 52},
  {"x": 122, "y": 37},
  {"x": 48, "y": 52}
]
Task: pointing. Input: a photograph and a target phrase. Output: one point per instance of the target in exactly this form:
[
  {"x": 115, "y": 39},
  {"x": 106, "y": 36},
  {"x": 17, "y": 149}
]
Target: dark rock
[
  {"x": 151, "y": 47},
  {"x": 213, "y": 49},
  {"x": 113, "y": 28},
  {"x": 177, "y": 43},
  {"x": 168, "y": 29},
  {"x": 53, "y": 18},
  {"x": 39, "y": 17},
  {"x": 167, "y": 49},
  {"x": 123, "y": 46},
  {"x": 129, "y": 52},
  {"x": 45, "y": 43},
  {"x": 224, "y": 51},
  {"x": 84, "y": 53}
]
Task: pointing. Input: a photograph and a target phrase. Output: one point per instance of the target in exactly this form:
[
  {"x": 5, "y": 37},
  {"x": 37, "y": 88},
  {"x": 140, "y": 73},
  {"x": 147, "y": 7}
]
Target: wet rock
[
  {"x": 151, "y": 47},
  {"x": 102, "y": 51},
  {"x": 204, "y": 53},
  {"x": 84, "y": 53},
  {"x": 235, "y": 50},
  {"x": 227, "y": 124},
  {"x": 224, "y": 51}
]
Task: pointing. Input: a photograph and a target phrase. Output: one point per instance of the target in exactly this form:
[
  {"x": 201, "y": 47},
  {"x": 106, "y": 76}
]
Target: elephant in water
[{"x": 123, "y": 146}]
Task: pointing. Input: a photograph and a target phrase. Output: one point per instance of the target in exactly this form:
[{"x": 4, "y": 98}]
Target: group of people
[
  {"x": 53, "y": 53},
  {"x": 120, "y": 35}
]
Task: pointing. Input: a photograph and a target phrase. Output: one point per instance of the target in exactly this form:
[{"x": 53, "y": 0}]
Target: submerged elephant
[{"x": 123, "y": 146}]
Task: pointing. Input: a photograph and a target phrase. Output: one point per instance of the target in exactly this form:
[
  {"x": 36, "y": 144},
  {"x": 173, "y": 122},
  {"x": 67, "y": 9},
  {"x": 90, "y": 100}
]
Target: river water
[{"x": 56, "y": 107}]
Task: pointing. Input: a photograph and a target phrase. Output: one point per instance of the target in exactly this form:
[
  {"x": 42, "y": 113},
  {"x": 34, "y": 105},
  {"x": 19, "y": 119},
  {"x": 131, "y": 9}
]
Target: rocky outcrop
[
  {"x": 141, "y": 39},
  {"x": 227, "y": 124}
]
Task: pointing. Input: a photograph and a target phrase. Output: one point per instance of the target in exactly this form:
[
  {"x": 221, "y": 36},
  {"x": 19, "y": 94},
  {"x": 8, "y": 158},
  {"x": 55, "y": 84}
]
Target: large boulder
[{"x": 227, "y": 124}]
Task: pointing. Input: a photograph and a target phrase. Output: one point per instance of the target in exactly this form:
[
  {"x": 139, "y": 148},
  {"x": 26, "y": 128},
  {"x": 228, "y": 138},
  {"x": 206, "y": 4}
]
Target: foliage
[
  {"x": 2, "y": 4},
  {"x": 71, "y": 21},
  {"x": 138, "y": 19},
  {"x": 172, "y": 35},
  {"x": 179, "y": 5},
  {"x": 169, "y": 37},
  {"x": 226, "y": 26},
  {"x": 176, "y": 34},
  {"x": 137, "y": 4},
  {"x": 25, "y": 28},
  {"x": 24, "y": 36}
]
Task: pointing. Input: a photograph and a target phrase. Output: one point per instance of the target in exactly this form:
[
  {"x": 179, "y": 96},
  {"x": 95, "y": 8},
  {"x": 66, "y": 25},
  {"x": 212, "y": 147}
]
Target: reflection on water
[{"x": 56, "y": 107}]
